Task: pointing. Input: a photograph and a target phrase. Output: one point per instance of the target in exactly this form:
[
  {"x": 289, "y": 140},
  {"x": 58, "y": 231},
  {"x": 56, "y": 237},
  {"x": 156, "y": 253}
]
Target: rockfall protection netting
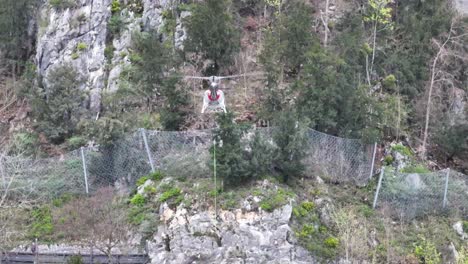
[
  {"x": 176, "y": 154},
  {"x": 411, "y": 195}
]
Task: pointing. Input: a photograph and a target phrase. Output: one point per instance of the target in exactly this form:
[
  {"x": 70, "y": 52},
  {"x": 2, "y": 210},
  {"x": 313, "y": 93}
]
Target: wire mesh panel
[
  {"x": 457, "y": 194},
  {"x": 338, "y": 159},
  {"x": 42, "y": 179},
  {"x": 181, "y": 154},
  {"x": 412, "y": 195},
  {"x": 124, "y": 160}
]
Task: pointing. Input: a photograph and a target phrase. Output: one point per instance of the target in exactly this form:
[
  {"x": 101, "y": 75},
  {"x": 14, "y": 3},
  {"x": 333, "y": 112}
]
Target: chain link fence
[
  {"x": 411, "y": 195},
  {"x": 177, "y": 154}
]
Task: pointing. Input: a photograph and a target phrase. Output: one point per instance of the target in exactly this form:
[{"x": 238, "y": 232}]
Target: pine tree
[
  {"x": 211, "y": 32},
  {"x": 232, "y": 165},
  {"x": 290, "y": 137},
  {"x": 57, "y": 107}
]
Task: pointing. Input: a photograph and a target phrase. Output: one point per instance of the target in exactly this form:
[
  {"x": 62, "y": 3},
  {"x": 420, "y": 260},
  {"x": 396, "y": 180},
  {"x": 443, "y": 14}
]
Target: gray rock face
[
  {"x": 61, "y": 31},
  {"x": 235, "y": 237},
  {"x": 86, "y": 24}
]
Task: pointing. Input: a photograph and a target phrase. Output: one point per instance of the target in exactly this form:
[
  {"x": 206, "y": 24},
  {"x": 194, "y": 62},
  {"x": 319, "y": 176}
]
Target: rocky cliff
[{"x": 79, "y": 34}]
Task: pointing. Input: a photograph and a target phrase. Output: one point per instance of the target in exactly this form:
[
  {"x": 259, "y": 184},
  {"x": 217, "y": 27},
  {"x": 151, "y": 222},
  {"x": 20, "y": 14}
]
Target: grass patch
[{"x": 404, "y": 150}]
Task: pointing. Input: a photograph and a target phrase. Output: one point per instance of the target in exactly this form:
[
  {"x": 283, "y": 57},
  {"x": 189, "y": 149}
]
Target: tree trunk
[{"x": 429, "y": 97}]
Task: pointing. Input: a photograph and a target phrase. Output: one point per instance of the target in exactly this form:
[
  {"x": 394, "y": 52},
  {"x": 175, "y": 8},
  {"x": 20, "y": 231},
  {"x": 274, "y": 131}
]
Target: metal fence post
[
  {"x": 148, "y": 152},
  {"x": 373, "y": 161},
  {"x": 378, "y": 187},
  {"x": 85, "y": 171},
  {"x": 446, "y": 188}
]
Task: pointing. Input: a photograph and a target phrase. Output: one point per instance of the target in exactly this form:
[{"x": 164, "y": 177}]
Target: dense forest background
[{"x": 380, "y": 70}]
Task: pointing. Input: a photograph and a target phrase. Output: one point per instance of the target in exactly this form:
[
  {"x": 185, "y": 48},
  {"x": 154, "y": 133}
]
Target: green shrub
[
  {"x": 402, "y": 150},
  {"x": 156, "y": 176},
  {"x": 465, "y": 226},
  {"x": 299, "y": 212},
  {"x": 388, "y": 160},
  {"x": 416, "y": 169},
  {"x": 366, "y": 211},
  {"x": 76, "y": 142},
  {"x": 75, "y": 56},
  {"x": 308, "y": 206},
  {"x": 138, "y": 200},
  {"x": 25, "y": 143},
  {"x": 42, "y": 226},
  {"x": 81, "y": 46},
  {"x": 115, "y": 25},
  {"x": 307, "y": 230},
  {"x": 274, "y": 200},
  {"x": 75, "y": 260},
  {"x": 426, "y": 251},
  {"x": 135, "y": 58},
  {"x": 150, "y": 189},
  {"x": 332, "y": 242},
  {"x": 109, "y": 52},
  {"x": 115, "y": 7},
  {"x": 389, "y": 82},
  {"x": 137, "y": 215},
  {"x": 173, "y": 192},
  {"x": 142, "y": 180}
]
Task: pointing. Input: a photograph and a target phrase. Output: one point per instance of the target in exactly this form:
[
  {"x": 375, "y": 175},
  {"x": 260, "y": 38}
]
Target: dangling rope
[{"x": 214, "y": 172}]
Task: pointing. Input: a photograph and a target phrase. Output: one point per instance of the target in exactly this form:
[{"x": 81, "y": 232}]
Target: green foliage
[
  {"x": 156, "y": 176},
  {"x": 115, "y": 24},
  {"x": 332, "y": 102},
  {"x": 57, "y": 107},
  {"x": 62, "y": 4},
  {"x": 138, "y": 200},
  {"x": 404, "y": 150},
  {"x": 81, "y": 46},
  {"x": 418, "y": 168},
  {"x": 308, "y": 206},
  {"x": 332, "y": 242},
  {"x": 378, "y": 11},
  {"x": 389, "y": 82},
  {"x": 388, "y": 160},
  {"x": 109, "y": 52},
  {"x": 306, "y": 231},
  {"x": 232, "y": 166},
  {"x": 175, "y": 108},
  {"x": 75, "y": 56},
  {"x": 366, "y": 211},
  {"x": 270, "y": 58},
  {"x": 465, "y": 226},
  {"x": 41, "y": 226},
  {"x": 171, "y": 193},
  {"x": 150, "y": 190},
  {"x": 105, "y": 130},
  {"x": 24, "y": 143},
  {"x": 452, "y": 140},
  {"x": 137, "y": 215},
  {"x": 142, "y": 181},
  {"x": 426, "y": 251},
  {"x": 290, "y": 139},
  {"x": 260, "y": 156},
  {"x": 211, "y": 32},
  {"x": 295, "y": 32},
  {"x": 274, "y": 200},
  {"x": 15, "y": 17},
  {"x": 75, "y": 260},
  {"x": 115, "y": 6},
  {"x": 75, "y": 142}
]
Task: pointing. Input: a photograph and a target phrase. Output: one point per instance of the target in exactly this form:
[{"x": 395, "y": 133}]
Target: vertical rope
[{"x": 214, "y": 172}]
